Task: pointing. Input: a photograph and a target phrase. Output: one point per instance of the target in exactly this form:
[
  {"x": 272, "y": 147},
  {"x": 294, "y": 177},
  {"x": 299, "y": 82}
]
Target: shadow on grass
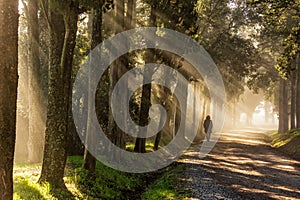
[
  {"x": 62, "y": 193},
  {"x": 23, "y": 190}
]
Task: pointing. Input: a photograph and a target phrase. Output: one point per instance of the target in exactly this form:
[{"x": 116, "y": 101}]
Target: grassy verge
[
  {"x": 108, "y": 183},
  {"x": 288, "y": 142},
  {"x": 167, "y": 186}
]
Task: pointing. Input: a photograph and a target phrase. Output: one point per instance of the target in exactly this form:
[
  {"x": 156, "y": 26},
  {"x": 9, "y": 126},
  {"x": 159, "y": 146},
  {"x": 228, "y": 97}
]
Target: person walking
[{"x": 208, "y": 125}]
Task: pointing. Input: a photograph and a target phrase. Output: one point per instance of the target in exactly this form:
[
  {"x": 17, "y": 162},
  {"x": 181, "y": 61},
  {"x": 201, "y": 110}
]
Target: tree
[
  {"x": 117, "y": 69},
  {"x": 36, "y": 132},
  {"x": 90, "y": 161},
  {"x": 293, "y": 99},
  {"x": 298, "y": 90},
  {"x": 283, "y": 107},
  {"x": 9, "y": 17},
  {"x": 282, "y": 18},
  {"x": 62, "y": 19},
  {"x": 140, "y": 143}
]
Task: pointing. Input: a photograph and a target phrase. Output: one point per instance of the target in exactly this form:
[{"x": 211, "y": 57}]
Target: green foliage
[
  {"x": 149, "y": 146},
  {"x": 26, "y": 187},
  {"x": 178, "y": 15},
  {"x": 108, "y": 183},
  {"x": 280, "y": 19},
  {"x": 279, "y": 140},
  {"x": 225, "y": 31},
  {"x": 84, "y": 5},
  {"x": 288, "y": 143},
  {"x": 167, "y": 186},
  {"x": 291, "y": 48}
]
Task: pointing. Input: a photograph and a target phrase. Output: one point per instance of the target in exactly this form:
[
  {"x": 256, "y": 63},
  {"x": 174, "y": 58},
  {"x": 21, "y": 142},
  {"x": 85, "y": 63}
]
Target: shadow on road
[{"x": 245, "y": 167}]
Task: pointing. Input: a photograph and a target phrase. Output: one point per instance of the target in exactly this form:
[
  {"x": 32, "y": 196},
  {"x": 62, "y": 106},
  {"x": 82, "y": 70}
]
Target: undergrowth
[
  {"x": 107, "y": 184},
  {"x": 167, "y": 186},
  {"x": 279, "y": 140},
  {"x": 289, "y": 142}
]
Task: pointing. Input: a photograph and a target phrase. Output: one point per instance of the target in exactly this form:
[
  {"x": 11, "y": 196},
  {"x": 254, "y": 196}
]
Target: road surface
[{"x": 241, "y": 166}]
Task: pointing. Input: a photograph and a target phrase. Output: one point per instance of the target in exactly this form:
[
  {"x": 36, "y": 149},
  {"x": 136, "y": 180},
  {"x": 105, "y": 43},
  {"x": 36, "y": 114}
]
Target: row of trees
[
  {"x": 279, "y": 37},
  {"x": 56, "y": 36}
]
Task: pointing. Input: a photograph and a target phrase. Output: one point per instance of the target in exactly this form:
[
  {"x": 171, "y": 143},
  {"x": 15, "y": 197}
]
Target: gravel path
[{"x": 241, "y": 166}]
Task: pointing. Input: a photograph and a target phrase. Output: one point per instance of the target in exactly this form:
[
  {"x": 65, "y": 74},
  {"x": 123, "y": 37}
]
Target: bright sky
[{"x": 20, "y": 6}]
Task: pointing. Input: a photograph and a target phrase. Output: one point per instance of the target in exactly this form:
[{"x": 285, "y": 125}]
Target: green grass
[
  {"x": 279, "y": 140},
  {"x": 166, "y": 187},
  {"x": 289, "y": 142},
  {"x": 149, "y": 146},
  {"x": 26, "y": 189},
  {"x": 108, "y": 183}
]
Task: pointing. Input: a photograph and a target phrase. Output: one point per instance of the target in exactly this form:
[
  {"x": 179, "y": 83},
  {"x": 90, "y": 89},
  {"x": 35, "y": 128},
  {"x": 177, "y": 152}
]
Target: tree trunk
[
  {"x": 117, "y": 136},
  {"x": 166, "y": 101},
  {"x": 298, "y": 91},
  {"x": 8, "y": 89},
  {"x": 36, "y": 132},
  {"x": 283, "y": 107},
  {"x": 63, "y": 30},
  {"x": 22, "y": 130},
  {"x": 158, "y": 136},
  {"x": 293, "y": 101},
  {"x": 90, "y": 161},
  {"x": 140, "y": 143},
  {"x": 201, "y": 132},
  {"x": 177, "y": 117}
]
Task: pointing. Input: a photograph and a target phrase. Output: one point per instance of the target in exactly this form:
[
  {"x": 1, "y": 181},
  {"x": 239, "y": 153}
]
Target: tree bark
[
  {"x": 119, "y": 67},
  {"x": 63, "y": 30},
  {"x": 158, "y": 136},
  {"x": 36, "y": 132},
  {"x": 283, "y": 107},
  {"x": 140, "y": 143},
  {"x": 293, "y": 101},
  {"x": 298, "y": 91},
  {"x": 89, "y": 162},
  {"x": 8, "y": 89}
]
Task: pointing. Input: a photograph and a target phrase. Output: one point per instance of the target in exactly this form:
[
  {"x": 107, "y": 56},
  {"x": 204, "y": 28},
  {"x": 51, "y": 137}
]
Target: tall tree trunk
[
  {"x": 293, "y": 101},
  {"x": 117, "y": 136},
  {"x": 90, "y": 161},
  {"x": 283, "y": 107},
  {"x": 158, "y": 135},
  {"x": 201, "y": 132},
  {"x": 177, "y": 117},
  {"x": 140, "y": 143},
  {"x": 298, "y": 91},
  {"x": 165, "y": 101},
  {"x": 63, "y": 30},
  {"x": 22, "y": 130},
  {"x": 36, "y": 132},
  {"x": 8, "y": 90}
]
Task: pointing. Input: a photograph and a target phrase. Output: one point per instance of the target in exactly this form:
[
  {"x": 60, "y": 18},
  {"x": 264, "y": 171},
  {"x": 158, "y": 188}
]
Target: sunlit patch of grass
[
  {"x": 288, "y": 143},
  {"x": 279, "y": 140},
  {"x": 108, "y": 183},
  {"x": 166, "y": 187},
  {"x": 149, "y": 146},
  {"x": 25, "y": 188},
  {"x": 25, "y": 178}
]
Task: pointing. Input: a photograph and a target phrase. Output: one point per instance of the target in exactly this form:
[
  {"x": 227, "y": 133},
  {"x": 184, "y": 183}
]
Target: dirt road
[{"x": 241, "y": 166}]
